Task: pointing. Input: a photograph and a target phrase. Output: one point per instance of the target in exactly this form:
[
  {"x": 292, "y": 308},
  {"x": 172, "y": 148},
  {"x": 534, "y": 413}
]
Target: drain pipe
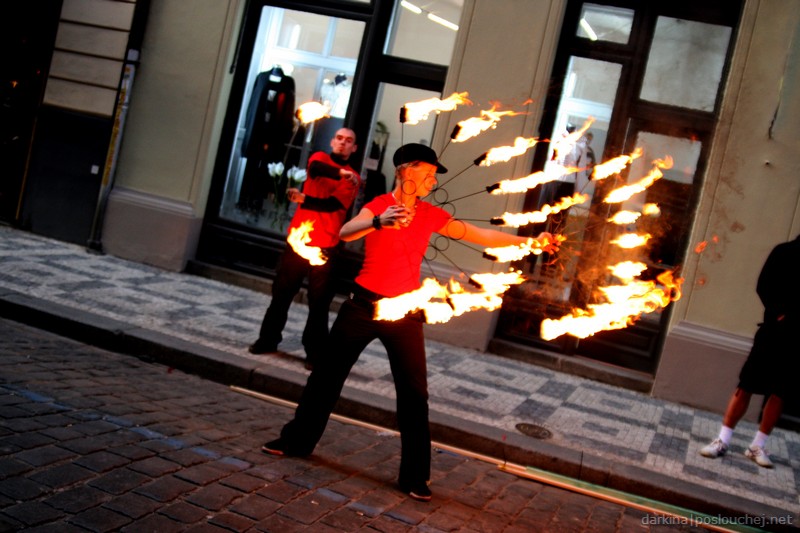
[
  {"x": 135, "y": 38},
  {"x": 681, "y": 514}
]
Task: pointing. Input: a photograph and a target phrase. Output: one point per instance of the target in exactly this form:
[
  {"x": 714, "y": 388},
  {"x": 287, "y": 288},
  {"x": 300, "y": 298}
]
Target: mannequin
[{"x": 269, "y": 123}]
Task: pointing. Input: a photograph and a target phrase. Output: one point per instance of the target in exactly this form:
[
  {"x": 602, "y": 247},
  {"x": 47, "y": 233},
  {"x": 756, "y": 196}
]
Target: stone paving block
[
  {"x": 102, "y": 461},
  {"x": 154, "y": 466},
  {"x": 45, "y": 455},
  {"x": 231, "y": 521},
  {"x": 77, "y": 499},
  {"x": 62, "y": 476},
  {"x": 184, "y": 513},
  {"x": 133, "y": 505},
  {"x": 132, "y": 451},
  {"x": 202, "y": 475},
  {"x": 21, "y": 489},
  {"x": 243, "y": 482},
  {"x": 185, "y": 457},
  {"x": 165, "y": 489},
  {"x": 281, "y": 491},
  {"x": 119, "y": 481},
  {"x": 24, "y": 441},
  {"x": 12, "y": 467},
  {"x": 100, "y": 520},
  {"x": 255, "y": 507},
  {"x": 84, "y": 445},
  {"x": 33, "y": 513},
  {"x": 213, "y": 497},
  {"x": 159, "y": 523}
]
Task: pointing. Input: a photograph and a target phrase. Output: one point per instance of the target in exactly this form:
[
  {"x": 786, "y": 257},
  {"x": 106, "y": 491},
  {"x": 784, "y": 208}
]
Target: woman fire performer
[{"x": 397, "y": 227}]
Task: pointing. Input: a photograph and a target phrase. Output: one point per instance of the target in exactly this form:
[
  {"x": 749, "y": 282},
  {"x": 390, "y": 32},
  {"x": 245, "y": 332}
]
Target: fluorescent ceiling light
[
  {"x": 443, "y": 22},
  {"x": 411, "y": 7},
  {"x": 588, "y": 29}
]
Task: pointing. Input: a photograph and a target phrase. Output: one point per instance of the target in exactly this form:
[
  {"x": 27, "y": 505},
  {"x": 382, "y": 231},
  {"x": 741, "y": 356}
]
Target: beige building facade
[{"x": 749, "y": 201}]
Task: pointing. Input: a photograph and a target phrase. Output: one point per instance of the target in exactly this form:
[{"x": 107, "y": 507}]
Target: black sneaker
[
  {"x": 420, "y": 491},
  {"x": 274, "y": 447},
  {"x": 259, "y": 347}
]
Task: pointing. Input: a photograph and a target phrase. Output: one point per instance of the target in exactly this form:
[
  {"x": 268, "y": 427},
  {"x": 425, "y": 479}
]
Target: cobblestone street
[{"x": 98, "y": 441}]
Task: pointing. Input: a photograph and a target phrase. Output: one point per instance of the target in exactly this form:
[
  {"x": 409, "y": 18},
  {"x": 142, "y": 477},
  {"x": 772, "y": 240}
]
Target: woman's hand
[{"x": 396, "y": 217}]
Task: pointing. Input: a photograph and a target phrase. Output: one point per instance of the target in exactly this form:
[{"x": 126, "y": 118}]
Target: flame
[
  {"x": 615, "y": 165},
  {"x": 298, "y": 239},
  {"x": 626, "y": 191},
  {"x": 504, "y": 153},
  {"x": 504, "y": 254},
  {"x": 625, "y": 304},
  {"x": 651, "y": 209},
  {"x": 311, "y": 111},
  {"x": 624, "y": 217},
  {"x": 568, "y": 142},
  {"x": 440, "y": 303},
  {"x": 631, "y": 240},
  {"x": 415, "y": 112},
  {"x": 551, "y": 173},
  {"x": 516, "y": 220},
  {"x": 466, "y": 129}
]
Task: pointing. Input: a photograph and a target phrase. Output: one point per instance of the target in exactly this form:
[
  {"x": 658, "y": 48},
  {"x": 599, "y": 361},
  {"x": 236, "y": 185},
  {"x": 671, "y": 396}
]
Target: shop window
[
  {"x": 605, "y": 23},
  {"x": 685, "y": 64},
  {"x": 298, "y": 57},
  {"x": 424, "y": 31}
]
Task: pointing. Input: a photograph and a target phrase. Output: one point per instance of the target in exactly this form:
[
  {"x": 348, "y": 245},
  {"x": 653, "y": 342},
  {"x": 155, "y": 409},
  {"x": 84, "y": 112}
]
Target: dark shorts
[{"x": 769, "y": 368}]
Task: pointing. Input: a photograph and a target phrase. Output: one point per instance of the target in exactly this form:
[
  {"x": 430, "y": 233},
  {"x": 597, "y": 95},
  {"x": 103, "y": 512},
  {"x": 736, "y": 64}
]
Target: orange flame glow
[
  {"x": 568, "y": 142},
  {"x": 651, "y": 209},
  {"x": 441, "y": 303},
  {"x": 626, "y": 191},
  {"x": 624, "y": 217},
  {"x": 504, "y": 153},
  {"x": 631, "y": 240},
  {"x": 311, "y": 111},
  {"x": 474, "y": 126},
  {"x": 615, "y": 165},
  {"x": 625, "y": 304},
  {"x": 299, "y": 238},
  {"x": 416, "y": 112},
  {"x": 504, "y": 254},
  {"x": 516, "y": 220}
]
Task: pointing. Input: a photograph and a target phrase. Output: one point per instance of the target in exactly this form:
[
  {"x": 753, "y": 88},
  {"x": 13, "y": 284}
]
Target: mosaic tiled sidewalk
[{"x": 581, "y": 414}]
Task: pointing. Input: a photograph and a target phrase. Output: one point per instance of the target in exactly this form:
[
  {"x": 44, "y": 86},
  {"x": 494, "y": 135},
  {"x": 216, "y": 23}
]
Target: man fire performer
[{"x": 328, "y": 193}]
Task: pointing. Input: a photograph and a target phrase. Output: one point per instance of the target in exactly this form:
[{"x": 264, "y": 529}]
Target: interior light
[
  {"x": 411, "y": 7},
  {"x": 588, "y": 29},
  {"x": 443, "y": 22}
]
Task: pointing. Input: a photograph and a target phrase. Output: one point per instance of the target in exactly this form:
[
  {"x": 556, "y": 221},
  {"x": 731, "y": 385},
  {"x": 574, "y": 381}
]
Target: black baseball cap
[{"x": 409, "y": 153}]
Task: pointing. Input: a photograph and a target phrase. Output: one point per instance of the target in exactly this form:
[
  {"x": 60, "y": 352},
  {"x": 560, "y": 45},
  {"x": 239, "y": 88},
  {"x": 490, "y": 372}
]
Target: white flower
[
  {"x": 296, "y": 174},
  {"x": 275, "y": 169}
]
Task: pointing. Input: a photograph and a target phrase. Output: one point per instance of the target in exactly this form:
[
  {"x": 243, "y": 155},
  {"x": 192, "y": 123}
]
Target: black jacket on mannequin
[{"x": 269, "y": 123}]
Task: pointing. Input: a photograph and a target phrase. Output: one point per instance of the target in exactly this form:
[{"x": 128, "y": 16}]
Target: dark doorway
[{"x": 27, "y": 36}]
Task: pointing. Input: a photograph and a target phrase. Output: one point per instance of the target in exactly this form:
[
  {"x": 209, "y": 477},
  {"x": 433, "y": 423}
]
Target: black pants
[
  {"x": 352, "y": 331},
  {"x": 291, "y": 272}
]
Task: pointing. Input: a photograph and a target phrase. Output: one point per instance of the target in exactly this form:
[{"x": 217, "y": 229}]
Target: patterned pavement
[{"x": 597, "y": 420}]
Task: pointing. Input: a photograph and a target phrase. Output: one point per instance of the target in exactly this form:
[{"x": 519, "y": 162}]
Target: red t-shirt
[
  {"x": 393, "y": 257},
  {"x": 326, "y": 224}
]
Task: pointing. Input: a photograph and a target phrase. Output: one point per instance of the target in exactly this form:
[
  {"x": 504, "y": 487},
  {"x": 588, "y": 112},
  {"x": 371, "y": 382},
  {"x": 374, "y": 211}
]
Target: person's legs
[
  {"x": 405, "y": 345},
  {"x": 350, "y": 334},
  {"x": 320, "y": 295},
  {"x": 769, "y": 417},
  {"x": 288, "y": 279},
  {"x": 737, "y": 405}
]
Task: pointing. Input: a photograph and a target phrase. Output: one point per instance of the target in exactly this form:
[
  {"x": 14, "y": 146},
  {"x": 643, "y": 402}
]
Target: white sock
[
  {"x": 759, "y": 440},
  {"x": 725, "y": 434}
]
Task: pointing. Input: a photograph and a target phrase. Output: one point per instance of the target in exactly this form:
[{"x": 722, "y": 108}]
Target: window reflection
[
  {"x": 425, "y": 31},
  {"x": 605, "y": 23},
  {"x": 685, "y": 64}
]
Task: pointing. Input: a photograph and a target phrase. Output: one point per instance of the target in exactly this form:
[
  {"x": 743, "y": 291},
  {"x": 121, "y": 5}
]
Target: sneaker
[
  {"x": 759, "y": 456},
  {"x": 420, "y": 492},
  {"x": 259, "y": 347},
  {"x": 274, "y": 447},
  {"x": 717, "y": 448}
]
